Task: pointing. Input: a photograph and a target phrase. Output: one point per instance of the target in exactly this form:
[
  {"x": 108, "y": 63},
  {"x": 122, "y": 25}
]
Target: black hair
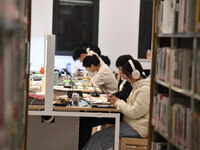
[
  {"x": 105, "y": 59},
  {"x": 89, "y": 60},
  {"x": 127, "y": 69},
  {"x": 96, "y": 49},
  {"x": 78, "y": 51},
  {"x": 83, "y": 44},
  {"x": 121, "y": 60}
]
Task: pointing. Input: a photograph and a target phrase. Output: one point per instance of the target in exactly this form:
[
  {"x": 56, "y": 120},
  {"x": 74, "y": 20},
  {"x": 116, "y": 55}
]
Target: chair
[{"x": 128, "y": 143}]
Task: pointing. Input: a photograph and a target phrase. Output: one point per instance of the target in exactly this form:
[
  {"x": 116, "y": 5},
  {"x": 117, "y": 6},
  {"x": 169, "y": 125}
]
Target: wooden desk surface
[{"x": 70, "y": 108}]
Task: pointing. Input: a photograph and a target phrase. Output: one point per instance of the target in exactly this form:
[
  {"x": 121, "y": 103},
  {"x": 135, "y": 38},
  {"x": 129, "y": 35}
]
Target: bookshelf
[{"x": 175, "y": 79}]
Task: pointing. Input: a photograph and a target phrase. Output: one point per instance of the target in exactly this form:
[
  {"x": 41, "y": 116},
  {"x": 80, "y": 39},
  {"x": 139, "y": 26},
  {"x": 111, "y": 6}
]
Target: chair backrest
[{"x": 133, "y": 143}]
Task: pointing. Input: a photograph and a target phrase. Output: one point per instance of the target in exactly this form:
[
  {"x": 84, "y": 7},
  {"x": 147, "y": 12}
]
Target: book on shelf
[
  {"x": 159, "y": 17},
  {"x": 163, "y": 64},
  {"x": 168, "y": 15},
  {"x": 181, "y": 15},
  {"x": 196, "y": 123},
  {"x": 185, "y": 18},
  {"x": 176, "y": 16},
  {"x": 197, "y": 70},
  {"x": 174, "y": 66},
  {"x": 181, "y": 125},
  {"x": 189, "y": 24},
  {"x": 180, "y": 68},
  {"x": 197, "y": 19},
  {"x": 165, "y": 18},
  {"x": 160, "y": 113},
  {"x": 184, "y": 69}
]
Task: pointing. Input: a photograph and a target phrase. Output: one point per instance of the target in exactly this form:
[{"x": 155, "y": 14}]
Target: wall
[
  {"x": 41, "y": 24},
  {"x": 118, "y": 31},
  {"x": 118, "y": 28}
]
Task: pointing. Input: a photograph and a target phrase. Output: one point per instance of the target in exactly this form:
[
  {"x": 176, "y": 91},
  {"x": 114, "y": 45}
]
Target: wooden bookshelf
[
  {"x": 175, "y": 78},
  {"x": 176, "y": 145},
  {"x": 162, "y": 83},
  {"x": 197, "y": 97},
  {"x": 161, "y": 133},
  {"x": 182, "y": 91}
]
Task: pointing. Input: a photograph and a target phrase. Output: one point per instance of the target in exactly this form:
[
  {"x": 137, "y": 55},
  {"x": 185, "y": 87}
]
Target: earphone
[
  {"x": 87, "y": 50},
  {"x": 135, "y": 73}
]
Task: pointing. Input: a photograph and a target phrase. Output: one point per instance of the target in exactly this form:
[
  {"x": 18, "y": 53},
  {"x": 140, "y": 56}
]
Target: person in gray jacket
[{"x": 135, "y": 110}]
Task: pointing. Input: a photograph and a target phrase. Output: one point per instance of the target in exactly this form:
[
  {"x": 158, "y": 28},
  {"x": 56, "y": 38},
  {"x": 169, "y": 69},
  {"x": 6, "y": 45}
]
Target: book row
[
  {"x": 197, "y": 87},
  {"x": 174, "y": 66},
  {"x": 177, "y": 16},
  {"x": 196, "y": 131},
  {"x": 181, "y": 125},
  {"x": 160, "y": 113},
  {"x": 180, "y": 118}
]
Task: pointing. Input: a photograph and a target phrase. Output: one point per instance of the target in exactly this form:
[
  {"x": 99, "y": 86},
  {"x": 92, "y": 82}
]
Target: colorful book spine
[
  {"x": 197, "y": 69},
  {"x": 160, "y": 113},
  {"x": 181, "y": 125}
]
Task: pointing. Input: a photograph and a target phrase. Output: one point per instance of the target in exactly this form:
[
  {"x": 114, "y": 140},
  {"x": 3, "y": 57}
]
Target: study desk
[{"x": 85, "y": 112}]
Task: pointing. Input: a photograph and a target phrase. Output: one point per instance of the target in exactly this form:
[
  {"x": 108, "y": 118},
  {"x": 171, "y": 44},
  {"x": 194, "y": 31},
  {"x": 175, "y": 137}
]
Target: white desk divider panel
[{"x": 49, "y": 72}]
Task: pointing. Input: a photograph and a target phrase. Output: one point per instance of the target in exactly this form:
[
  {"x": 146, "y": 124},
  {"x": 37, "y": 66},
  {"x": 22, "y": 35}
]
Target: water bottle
[
  {"x": 55, "y": 77},
  {"x": 75, "y": 99},
  {"x": 68, "y": 67},
  {"x": 148, "y": 55}
]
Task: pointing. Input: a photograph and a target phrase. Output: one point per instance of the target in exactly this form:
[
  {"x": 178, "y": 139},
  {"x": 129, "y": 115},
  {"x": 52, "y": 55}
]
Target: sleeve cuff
[{"x": 117, "y": 102}]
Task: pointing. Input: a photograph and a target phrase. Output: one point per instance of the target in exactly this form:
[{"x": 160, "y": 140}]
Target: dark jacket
[{"x": 124, "y": 93}]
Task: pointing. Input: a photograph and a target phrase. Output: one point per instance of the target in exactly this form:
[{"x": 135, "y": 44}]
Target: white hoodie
[{"x": 136, "y": 107}]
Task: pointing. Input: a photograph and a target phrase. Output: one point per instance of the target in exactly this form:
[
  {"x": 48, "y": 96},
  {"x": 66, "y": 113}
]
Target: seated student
[
  {"x": 127, "y": 88},
  {"x": 104, "y": 77},
  {"x": 79, "y": 53},
  {"x": 95, "y": 49},
  {"x": 105, "y": 59},
  {"x": 135, "y": 110},
  {"x": 86, "y": 124}
]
